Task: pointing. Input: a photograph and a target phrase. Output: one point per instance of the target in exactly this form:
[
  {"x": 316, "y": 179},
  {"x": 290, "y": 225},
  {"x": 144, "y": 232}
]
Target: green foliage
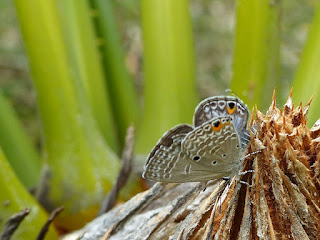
[
  {"x": 169, "y": 69},
  {"x": 13, "y": 198},
  {"x": 79, "y": 34},
  {"x": 307, "y": 77},
  {"x": 17, "y": 146},
  {"x": 257, "y": 51},
  {"x": 120, "y": 85},
  {"x": 81, "y": 166}
]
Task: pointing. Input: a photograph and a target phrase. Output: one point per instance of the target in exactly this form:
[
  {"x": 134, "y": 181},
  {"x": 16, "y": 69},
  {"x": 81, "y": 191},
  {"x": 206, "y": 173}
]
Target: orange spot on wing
[
  {"x": 231, "y": 110},
  {"x": 217, "y": 128},
  {"x": 227, "y": 123}
]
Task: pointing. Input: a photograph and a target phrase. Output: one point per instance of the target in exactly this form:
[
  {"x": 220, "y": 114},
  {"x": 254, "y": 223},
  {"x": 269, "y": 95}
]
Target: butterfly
[{"x": 210, "y": 149}]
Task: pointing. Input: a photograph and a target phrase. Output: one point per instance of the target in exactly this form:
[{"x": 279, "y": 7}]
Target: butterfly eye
[
  {"x": 224, "y": 155},
  {"x": 196, "y": 158},
  {"x": 214, "y": 162}
]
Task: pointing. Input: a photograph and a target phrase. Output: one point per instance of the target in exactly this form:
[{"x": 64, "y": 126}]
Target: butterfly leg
[
  {"x": 245, "y": 183},
  {"x": 251, "y": 154},
  {"x": 245, "y": 172}
]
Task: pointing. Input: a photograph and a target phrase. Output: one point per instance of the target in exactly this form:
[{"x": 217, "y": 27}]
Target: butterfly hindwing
[{"x": 213, "y": 146}]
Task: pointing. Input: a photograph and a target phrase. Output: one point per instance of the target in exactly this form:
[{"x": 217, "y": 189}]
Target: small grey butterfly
[{"x": 211, "y": 149}]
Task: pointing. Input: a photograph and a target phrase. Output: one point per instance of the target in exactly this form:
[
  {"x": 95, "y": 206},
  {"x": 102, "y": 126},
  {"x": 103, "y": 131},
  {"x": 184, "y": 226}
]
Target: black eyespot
[
  {"x": 216, "y": 124},
  {"x": 231, "y": 105},
  {"x": 214, "y": 162},
  {"x": 237, "y": 145},
  {"x": 196, "y": 158},
  {"x": 224, "y": 155}
]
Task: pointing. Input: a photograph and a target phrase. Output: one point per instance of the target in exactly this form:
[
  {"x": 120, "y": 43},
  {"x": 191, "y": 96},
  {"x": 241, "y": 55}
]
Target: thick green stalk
[
  {"x": 82, "y": 46},
  {"x": 169, "y": 69},
  {"x": 80, "y": 36},
  {"x": 120, "y": 85},
  {"x": 307, "y": 77},
  {"x": 13, "y": 198},
  {"x": 17, "y": 146},
  {"x": 256, "y": 54},
  {"x": 81, "y": 166}
]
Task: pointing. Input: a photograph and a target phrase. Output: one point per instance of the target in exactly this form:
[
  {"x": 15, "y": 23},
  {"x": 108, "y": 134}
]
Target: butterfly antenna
[{"x": 231, "y": 92}]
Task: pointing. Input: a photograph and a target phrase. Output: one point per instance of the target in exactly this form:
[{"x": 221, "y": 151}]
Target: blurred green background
[{"x": 213, "y": 24}]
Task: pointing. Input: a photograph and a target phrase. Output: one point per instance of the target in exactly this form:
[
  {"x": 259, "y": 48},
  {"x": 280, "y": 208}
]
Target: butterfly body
[{"x": 212, "y": 149}]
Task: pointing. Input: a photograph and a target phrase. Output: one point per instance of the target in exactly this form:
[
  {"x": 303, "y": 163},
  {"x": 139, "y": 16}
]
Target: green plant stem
[
  {"x": 81, "y": 166},
  {"x": 307, "y": 77},
  {"x": 13, "y": 198},
  {"x": 17, "y": 146},
  {"x": 120, "y": 85},
  {"x": 169, "y": 69},
  {"x": 256, "y": 55},
  {"x": 80, "y": 37}
]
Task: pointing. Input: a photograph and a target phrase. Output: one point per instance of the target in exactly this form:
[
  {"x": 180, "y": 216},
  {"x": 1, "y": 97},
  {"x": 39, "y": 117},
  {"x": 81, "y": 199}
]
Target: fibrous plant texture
[{"x": 280, "y": 200}]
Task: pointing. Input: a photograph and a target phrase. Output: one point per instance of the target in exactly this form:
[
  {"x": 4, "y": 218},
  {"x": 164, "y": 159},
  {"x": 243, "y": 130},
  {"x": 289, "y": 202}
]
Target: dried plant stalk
[{"x": 282, "y": 202}]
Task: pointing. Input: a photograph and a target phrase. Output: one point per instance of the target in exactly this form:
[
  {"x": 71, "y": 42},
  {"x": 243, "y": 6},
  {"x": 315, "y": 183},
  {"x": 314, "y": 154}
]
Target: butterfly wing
[
  {"x": 225, "y": 106},
  {"x": 213, "y": 146},
  {"x": 165, "y": 154},
  {"x": 175, "y": 157},
  {"x": 167, "y": 163}
]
